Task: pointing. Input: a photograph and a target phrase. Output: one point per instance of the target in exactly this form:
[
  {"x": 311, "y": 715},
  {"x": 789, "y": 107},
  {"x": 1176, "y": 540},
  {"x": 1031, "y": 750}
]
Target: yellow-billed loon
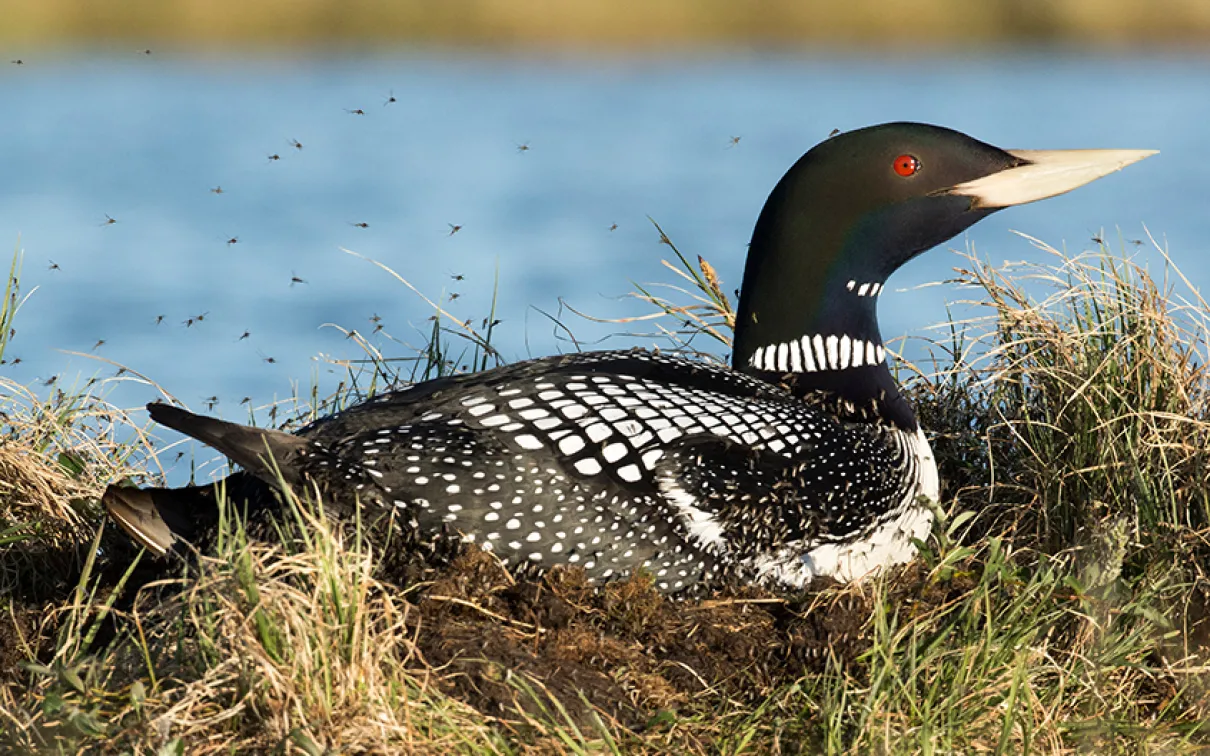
[{"x": 800, "y": 460}]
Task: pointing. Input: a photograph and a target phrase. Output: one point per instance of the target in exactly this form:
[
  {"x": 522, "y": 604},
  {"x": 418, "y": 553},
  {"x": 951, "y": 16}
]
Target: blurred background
[
  {"x": 607, "y": 25},
  {"x": 183, "y": 176}
]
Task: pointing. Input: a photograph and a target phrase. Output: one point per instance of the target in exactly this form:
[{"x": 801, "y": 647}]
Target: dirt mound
[{"x": 625, "y": 649}]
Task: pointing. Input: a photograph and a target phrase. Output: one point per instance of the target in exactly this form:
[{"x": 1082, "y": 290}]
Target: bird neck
[
  {"x": 832, "y": 354},
  {"x": 807, "y": 315}
]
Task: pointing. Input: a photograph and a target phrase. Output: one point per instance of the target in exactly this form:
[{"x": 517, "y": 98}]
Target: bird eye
[{"x": 906, "y": 165}]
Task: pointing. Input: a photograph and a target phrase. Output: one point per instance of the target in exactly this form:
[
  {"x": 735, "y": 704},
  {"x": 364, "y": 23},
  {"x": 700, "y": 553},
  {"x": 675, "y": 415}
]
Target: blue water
[{"x": 144, "y": 140}]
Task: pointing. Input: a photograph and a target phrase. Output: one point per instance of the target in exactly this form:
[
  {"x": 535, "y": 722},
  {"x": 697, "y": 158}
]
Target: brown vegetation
[{"x": 907, "y": 25}]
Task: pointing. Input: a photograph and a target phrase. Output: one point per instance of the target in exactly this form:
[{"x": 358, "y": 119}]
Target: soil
[{"x": 627, "y": 650}]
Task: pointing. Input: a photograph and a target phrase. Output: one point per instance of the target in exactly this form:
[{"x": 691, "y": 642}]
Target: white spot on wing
[
  {"x": 571, "y": 444},
  {"x": 526, "y": 441},
  {"x": 845, "y": 346},
  {"x": 630, "y": 473},
  {"x": 833, "y": 352},
  {"x": 573, "y": 411},
  {"x": 668, "y": 434},
  {"x": 612, "y": 414},
  {"x": 588, "y": 466},
  {"x": 480, "y": 409}
]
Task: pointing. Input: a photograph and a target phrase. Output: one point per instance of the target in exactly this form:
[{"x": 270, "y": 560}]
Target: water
[{"x": 144, "y": 140}]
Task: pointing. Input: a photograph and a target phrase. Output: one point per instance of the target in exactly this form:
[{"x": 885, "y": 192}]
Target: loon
[{"x": 802, "y": 459}]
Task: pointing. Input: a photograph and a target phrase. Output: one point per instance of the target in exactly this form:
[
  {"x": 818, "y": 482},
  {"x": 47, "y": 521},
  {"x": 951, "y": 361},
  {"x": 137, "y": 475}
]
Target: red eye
[{"x": 906, "y": 165}]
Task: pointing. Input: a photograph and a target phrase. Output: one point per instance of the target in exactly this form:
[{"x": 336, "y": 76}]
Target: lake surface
[{"x": 144, "y": 140}]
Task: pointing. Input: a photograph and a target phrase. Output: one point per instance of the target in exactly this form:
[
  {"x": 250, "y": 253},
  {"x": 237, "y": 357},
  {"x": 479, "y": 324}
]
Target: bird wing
[
  {"x": 827, "y": 489},
  {"x": 270, "y": 455}
]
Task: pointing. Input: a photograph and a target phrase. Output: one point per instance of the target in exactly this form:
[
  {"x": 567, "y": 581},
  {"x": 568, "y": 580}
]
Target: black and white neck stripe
[{"x": 810, "y": 354}]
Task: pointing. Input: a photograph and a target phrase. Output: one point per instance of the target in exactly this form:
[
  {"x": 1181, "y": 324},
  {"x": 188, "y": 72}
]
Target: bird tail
[
  {"x": 267, "y": 454},
  {"x": 135, "y": 511},
  {"x": 158, "y": 517}
]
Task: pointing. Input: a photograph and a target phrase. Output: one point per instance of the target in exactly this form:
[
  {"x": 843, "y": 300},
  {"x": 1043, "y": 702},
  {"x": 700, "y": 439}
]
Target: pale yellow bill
[{"x": 1047, "y": 174}]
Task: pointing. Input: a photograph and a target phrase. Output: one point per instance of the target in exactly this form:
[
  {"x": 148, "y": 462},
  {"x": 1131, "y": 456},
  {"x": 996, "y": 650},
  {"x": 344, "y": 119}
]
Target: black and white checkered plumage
[{"x": 615, "y": 461}]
